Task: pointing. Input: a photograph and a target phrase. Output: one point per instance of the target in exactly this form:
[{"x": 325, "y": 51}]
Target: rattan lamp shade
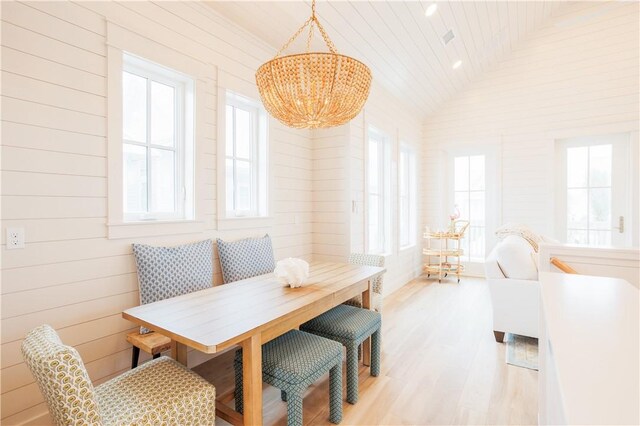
[{"x": 313, "y": 89}]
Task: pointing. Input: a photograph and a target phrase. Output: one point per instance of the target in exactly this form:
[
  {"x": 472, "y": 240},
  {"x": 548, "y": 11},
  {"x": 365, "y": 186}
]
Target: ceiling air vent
[{"x": 448, "y": 37}]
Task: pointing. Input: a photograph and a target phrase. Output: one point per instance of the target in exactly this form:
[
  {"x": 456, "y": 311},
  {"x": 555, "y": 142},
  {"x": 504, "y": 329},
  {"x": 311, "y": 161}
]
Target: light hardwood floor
[{"x": 440, "y": 365}]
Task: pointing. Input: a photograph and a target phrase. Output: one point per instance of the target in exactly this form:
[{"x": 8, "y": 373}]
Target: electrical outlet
[{"x": 15, "y": 238}]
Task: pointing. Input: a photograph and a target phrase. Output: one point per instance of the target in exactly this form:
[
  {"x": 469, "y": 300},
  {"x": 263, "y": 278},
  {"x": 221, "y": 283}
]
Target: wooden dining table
[{"x": 249, "y": 313}]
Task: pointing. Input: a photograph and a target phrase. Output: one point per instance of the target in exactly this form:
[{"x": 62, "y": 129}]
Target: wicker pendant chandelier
[{"x": 313, "y": 89}]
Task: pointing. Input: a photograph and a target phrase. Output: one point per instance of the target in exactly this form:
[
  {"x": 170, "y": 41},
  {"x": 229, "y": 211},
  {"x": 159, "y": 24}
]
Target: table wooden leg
[
  {"x": 179, "y": 352},
  {"x": 252, "y": 380},
  {"x": 366, "y": 345}
]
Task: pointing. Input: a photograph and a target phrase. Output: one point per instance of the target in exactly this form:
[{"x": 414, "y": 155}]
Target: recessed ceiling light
[
  {"x": 456, "y": 64},
  {"x": 431, "y": 9}
]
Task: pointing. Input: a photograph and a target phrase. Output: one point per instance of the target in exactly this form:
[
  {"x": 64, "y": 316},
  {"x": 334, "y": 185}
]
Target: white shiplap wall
[
  {"x": 401, "y": 125},
  {"x": 577, "y": 76},
  {"x": 339, "y": 218},
  {"x": 339, "y": 173},
  {"x": 331, "y": 194},
  {"x": 54, "y": 175}
]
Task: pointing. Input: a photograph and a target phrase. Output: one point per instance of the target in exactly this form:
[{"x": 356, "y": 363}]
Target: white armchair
[{"x": 516, "y": 301}]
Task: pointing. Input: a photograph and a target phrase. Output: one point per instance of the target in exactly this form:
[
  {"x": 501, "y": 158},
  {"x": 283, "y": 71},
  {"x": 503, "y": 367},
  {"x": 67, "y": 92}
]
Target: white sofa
[{"x": 516, "y": 300}]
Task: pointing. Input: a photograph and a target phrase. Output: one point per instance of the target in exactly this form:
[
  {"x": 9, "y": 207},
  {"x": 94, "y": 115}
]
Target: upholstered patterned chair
[
  {"x": 350, "y": 326},
  {"x": 291, "y": 363},
  {"x": 165, "y": 272},
  {"x": 245, "y": 258},
  {"x": 159, "y": 392},
  {"x": 376, "y": 297}
]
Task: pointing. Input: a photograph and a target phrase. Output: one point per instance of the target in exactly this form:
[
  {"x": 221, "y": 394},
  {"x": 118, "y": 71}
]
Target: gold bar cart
[{"x": 443, "y": 259}]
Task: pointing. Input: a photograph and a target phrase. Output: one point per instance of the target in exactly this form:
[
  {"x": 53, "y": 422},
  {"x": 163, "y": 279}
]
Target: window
[
  {"x": 595, "y": 191},
  {"x": 157, "y": 137},
  {"x": 470, "y": 198},
  {"x": 245, "y": 157},
  {"x": 378, "y": 193},
  {"x": 589, "y": 195},
  {"x": 407, "y": 195}
]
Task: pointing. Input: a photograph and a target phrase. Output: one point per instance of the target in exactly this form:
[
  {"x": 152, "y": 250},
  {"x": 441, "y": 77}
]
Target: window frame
[
  {"x": 182, "y": 85},
  {"x": 384, "y": 183},
  {"x": 491, "y": 149},
  {"x": 255, "y": 159},
  {"x": 412, "y": 194},
  {"x": 229, "y": 84},
  {"x": 467, "y": 256},
  {"x": 621, "y": 192},
  {"x": 120, "y": 41}
]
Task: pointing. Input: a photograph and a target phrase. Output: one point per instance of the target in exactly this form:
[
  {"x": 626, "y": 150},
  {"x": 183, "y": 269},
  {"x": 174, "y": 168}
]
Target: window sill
[
  {"x": 153, "y": 228},
  {"x": 248, "y": 222},
  {"x": 409, "y": 247},
  {"x": 385, "y": 254}
]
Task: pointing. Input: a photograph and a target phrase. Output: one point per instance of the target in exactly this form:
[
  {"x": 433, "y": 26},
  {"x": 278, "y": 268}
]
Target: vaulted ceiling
[{"x": 403, "y": 47}]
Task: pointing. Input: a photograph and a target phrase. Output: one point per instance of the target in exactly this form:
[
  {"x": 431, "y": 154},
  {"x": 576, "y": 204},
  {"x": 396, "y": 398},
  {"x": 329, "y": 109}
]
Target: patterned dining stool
[
  {"x": 350, "y": 326},
  {"x": 159, "y": 392},
  {"x": 291, "y": 363},
  {"x": 376, "y": 285}
]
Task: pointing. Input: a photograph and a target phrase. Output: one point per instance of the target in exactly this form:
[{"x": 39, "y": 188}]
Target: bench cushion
[
  {"x": 296, "y": 356},
  {"x": 165, "y": 272},
  {"x": 245, "y": 258},
  {"x": 347, "y": 323}
]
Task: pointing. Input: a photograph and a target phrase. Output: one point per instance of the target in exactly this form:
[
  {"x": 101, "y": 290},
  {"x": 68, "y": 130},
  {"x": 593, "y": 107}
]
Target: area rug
[{"x": 522, "y": 351}]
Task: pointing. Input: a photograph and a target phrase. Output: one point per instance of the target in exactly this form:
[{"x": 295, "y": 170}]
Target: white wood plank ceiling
[{"x": 402, "y": 46}]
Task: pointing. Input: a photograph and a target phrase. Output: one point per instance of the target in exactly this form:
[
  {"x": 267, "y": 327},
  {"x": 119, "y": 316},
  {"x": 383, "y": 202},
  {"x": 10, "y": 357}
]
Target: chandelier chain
[
  {"x": 293, "y": 37},
  {"x": 325, "y": 36},
  {"x": 311, "y": 21},
  {"x": 310, "y": 37}
]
